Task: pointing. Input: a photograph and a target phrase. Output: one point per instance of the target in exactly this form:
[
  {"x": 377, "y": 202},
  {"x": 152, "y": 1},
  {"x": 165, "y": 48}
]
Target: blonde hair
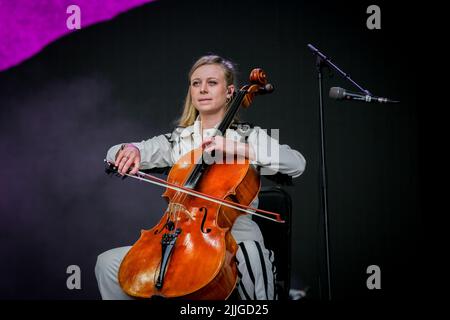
[{"x": 189, "y": 112}]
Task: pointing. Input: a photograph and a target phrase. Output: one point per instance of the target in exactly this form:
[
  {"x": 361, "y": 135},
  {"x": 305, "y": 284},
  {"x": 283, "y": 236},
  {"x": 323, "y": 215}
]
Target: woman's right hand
[{"x": 128, "y": 157}]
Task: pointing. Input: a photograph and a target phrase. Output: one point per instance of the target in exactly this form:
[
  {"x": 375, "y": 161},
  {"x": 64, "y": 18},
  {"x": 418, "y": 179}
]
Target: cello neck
[
  {"x": 231, "y": 112},
  {"x": 199, "y": 168}
]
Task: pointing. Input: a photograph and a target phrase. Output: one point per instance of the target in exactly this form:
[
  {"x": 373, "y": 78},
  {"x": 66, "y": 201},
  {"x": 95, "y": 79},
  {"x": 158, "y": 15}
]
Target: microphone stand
[
  {"x": 320, "y": 61},
  {"x": 327, "y": 61}
]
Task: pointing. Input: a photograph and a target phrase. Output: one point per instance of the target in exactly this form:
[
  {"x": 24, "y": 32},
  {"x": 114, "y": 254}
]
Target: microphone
[{"x": 341, "y": 94}]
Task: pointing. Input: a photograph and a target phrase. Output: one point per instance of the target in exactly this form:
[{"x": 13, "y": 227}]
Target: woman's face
[{"x": 209, "y": 90}]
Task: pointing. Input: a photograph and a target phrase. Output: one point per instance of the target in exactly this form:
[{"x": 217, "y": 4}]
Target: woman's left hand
[{"x": 227, "y": 147}]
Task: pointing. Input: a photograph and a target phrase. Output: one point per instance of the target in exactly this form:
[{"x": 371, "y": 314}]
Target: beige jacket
[{"x": 271, "y": 157}]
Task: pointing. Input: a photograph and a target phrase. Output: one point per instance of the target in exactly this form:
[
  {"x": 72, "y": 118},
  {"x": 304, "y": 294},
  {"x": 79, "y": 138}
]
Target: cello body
[{"x": 201, "y": 262}]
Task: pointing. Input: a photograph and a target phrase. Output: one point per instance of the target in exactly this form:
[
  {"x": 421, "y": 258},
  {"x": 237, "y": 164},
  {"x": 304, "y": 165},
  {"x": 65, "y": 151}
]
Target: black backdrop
[{"x": 125, "y": 80}]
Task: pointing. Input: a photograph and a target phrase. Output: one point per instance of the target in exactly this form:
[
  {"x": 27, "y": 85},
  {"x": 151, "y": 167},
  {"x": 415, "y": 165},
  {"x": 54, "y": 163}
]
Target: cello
[{"x": 190, "y": 252}]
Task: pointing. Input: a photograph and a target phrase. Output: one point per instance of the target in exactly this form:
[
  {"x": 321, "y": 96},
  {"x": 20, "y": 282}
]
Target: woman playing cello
[{"x": 211, "y": 88}]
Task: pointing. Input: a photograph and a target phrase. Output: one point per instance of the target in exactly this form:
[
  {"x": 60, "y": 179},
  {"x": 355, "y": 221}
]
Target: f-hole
[
  {"x": 166, "y": 225},
  {"x": 203, "y": 221}
]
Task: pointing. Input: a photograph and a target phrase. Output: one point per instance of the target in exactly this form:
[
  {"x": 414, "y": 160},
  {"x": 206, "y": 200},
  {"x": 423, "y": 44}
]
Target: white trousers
[
  {"x": 256, "y": 272},
  {"x": 255, "y": 263}
]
